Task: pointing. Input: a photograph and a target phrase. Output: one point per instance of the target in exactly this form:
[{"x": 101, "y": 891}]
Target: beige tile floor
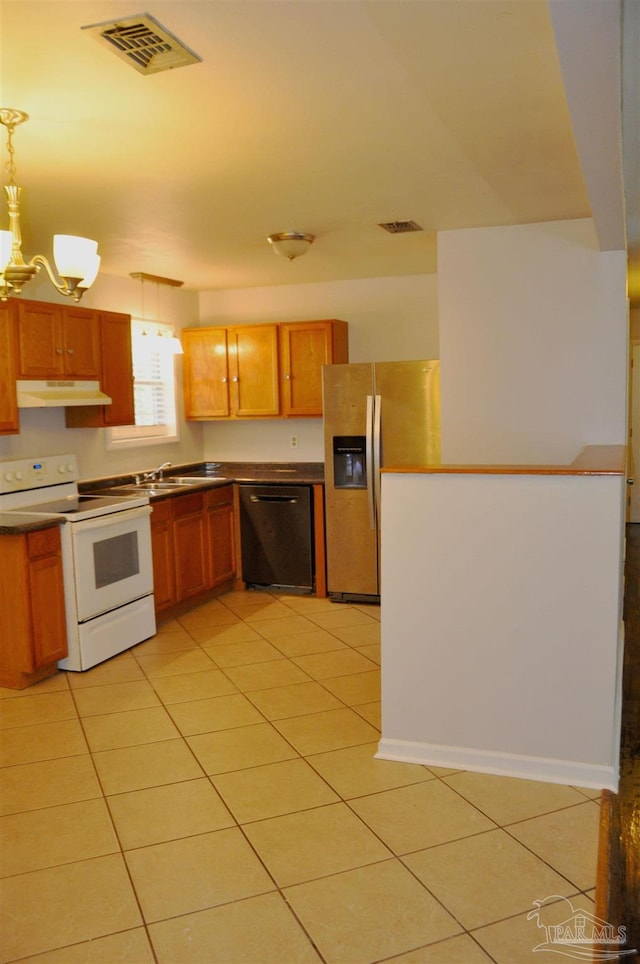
[{"x": 212, "y": 796}]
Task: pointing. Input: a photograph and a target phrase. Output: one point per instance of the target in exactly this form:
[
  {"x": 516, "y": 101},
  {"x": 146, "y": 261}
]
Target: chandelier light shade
[
  {"x": 77, "y": 260},
  {"x": 291, "y": 244}
]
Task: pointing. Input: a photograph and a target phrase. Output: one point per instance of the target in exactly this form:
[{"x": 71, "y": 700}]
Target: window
[{"x": 153, "y": 388}]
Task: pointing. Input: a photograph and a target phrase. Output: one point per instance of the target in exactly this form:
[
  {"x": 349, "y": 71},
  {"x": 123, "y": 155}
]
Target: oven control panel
[{"x": 19, "y": 475}]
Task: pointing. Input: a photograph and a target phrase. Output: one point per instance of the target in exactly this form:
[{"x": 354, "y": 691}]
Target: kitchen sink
[
  {"x": 151, "y": 488},
  {"x": 196, "y": 479},
  {"x": 165, "y": 484},
  {"x": 175, "y": 484}
]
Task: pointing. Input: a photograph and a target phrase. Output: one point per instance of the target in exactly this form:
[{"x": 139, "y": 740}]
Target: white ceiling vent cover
[{"x": 144, "y": 43}]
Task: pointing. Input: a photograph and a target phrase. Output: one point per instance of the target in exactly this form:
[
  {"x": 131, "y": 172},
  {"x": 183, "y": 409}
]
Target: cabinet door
[
  {"x": 16, "y": 649},
  {"x": 190, "y": 545},
  {"x": 57, "y": 342},
  {"x": 304, "y": 348},
  {"x": 48, "y": 619},
  {"x": 48, "y": 611},
  {"x": 40, "y": 344},
  {"x": 253, "y": 368},
  {"x": 164, "y": 590},
  {"x": 116, "y": 379},
  {"x": 9, "y": 421},
  {"x": 206, "y": 373},
  {"x": 81, "y": 341},
  {"x": 221, "y": 522},
  {"x": 222, "y": 542},
  {"x": 117, "y": 368}
]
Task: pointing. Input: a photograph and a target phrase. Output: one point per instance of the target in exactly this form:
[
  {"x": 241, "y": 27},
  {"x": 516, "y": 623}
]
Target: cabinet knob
[
  {"x": 224, "y": 380},
  {"x": 58, "y": 351},
  {"x": 235, "y": 378},
  {"x": 69, "y": 351},
  {"x": 287, "y": 377}
]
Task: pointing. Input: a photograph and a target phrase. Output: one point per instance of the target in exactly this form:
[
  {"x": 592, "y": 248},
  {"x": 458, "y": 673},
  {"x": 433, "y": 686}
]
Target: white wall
[
  {"x": 510, "y": 661},
  {"x": 389, "y": 319},
  {"x": 43, "y": 432},
  {"x": 501, "y": 627},
  {"x": 533, "y": 343}
]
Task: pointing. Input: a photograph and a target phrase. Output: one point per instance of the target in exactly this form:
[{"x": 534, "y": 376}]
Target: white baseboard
[{"x": 567, "y": 772}]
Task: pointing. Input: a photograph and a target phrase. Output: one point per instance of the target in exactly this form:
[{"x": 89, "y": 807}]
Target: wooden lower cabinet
[
  {"x": 33, "y": 631},
  {"x": 164, "y": 581},
  {"x": 193, "y": 545},
  {"x": 221, "y": 533},
  {"x": 190, "y": 545}
]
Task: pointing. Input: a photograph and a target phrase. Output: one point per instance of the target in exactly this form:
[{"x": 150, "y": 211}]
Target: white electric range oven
[{"x": 106, "y": 555}]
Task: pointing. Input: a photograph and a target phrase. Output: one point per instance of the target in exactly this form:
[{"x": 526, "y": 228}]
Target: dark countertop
[
  {"x": 298, "y": 473},
  {"x": 219, "y": 473},
  {"x": 16, "y": 523}
]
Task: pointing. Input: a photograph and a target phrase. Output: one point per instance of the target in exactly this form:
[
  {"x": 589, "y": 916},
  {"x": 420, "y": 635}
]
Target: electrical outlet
[{"x": 294, "y": 441}]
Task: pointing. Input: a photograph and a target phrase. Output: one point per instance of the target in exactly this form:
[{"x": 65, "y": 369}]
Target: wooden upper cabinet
[
  {"x": 231, "y": 372},
  {"x": 253, "y": 370},
  {"x": 55, "y": 341},
  {"x": 9, "y": 420},
  {"x": 116, "y": 377},
  {"x": 117, "y": 368},
  {"x": 206, "y": 372},
  {"x": 81, "y": 342},
  {"x": 39, "y": 340},
  {"x": 304, "y": 348},
  {"x": 260, "y": 371}
]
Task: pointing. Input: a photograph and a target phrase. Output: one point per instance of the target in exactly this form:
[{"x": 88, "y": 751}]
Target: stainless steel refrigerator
[{"x": 375, "y": 415}]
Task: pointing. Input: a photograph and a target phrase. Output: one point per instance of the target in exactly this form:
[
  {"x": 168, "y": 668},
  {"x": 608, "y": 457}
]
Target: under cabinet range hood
[{"x": 59, "y": 394}]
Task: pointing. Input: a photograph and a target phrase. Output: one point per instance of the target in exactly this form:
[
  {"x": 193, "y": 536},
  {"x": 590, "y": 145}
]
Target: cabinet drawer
[
  {"x": 221, "y": 496},
  {"x": 44, "y": 542},
  {"x": 188, "y": 504}
]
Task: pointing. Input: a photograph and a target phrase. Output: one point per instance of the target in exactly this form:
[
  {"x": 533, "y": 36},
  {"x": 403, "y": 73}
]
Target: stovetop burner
[
  {"x": 82, "y": 504},
  {"x": 49, "y": 486}
]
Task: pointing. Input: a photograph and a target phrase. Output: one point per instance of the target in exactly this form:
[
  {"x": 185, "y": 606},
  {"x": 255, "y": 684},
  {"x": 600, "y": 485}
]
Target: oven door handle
[{"x": 125, "y": 515}]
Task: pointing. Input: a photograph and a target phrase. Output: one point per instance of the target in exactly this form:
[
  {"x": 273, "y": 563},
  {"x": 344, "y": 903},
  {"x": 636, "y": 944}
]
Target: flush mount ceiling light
[
  {"x": 291, "y": 244},
  {"x": 76, "y": 259}
]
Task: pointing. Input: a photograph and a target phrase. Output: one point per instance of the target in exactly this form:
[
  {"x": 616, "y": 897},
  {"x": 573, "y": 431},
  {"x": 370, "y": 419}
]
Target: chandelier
[{"x": 76, "y": 259}]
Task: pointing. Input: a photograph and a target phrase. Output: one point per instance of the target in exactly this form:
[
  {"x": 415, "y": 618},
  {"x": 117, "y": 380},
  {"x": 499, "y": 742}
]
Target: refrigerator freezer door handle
[
  {"x": 370, "y": 463},
  {"x": 377, "y": 452}
]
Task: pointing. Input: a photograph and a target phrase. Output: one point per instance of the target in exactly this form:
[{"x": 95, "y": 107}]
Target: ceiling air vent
[
  {"x": 144, "y": 43},
  {"x": 400, "y": 227}
]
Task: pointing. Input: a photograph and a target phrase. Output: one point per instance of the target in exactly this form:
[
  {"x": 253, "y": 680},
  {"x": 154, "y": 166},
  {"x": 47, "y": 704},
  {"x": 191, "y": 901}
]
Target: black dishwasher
[{"x": 276, "y": 534}]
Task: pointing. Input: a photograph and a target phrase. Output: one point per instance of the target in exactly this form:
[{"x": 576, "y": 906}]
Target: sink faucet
[{"x": 155, "y": 474}]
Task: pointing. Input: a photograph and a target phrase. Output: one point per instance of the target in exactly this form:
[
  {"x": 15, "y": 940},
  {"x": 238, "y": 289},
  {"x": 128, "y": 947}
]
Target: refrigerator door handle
[
  {"x": 377, "y": 453},
  {"x": 370, "y": 463}
]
